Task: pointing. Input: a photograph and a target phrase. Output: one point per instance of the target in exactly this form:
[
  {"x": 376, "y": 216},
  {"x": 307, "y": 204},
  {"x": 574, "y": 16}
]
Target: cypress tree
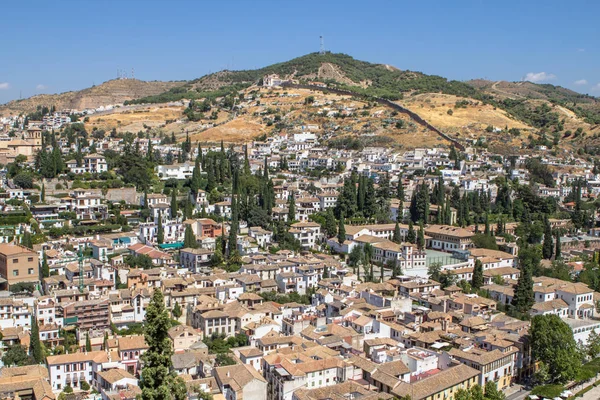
[
  {"x": 189, "y": 239},
  {"x": 45, "y": 268},
  {"x": 43, "y": 193},
  {"x": 400, "y": 190},
  {"x": 524, "y": 297},
  {"x": 158, "y": 380},
  {"x": 160, "y": 232},
  {"x": 291, "y": 208},
  {"x": 341, "y": 231},
  {"x": 330, "y": 225},
  {"x": 397, "y": 238},
  {"x": 548, "y": 245},
  {"x": 421, "y": 238},
  {"x": 486, "y": 232},
  {"x": 35, "y": 344},
  {"x": 557, "y": 252},
  {"x": 88, "y": 342},
  {"x": 187, "y": 211},
  {"x": 411, "y": 236},
  {"x": 477, "y": 280},
  {"x": 174, "y": 203}
]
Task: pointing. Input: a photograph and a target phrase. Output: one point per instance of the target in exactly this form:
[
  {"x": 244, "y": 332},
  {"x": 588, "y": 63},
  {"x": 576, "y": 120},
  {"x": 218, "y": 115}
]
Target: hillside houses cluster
[{"x": 306, "y": 324}]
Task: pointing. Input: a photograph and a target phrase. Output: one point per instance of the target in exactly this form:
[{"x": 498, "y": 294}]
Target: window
[
  {"x": 30, "y": 271},
  {"x": 15, "y": 260},
  {"x": 15, "y": 272},
  {"x": 29, "y": 259}
]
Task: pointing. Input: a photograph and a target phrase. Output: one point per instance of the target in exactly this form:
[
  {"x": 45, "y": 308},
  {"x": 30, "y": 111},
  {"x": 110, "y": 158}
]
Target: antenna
[{"x": 322, "y": 48}]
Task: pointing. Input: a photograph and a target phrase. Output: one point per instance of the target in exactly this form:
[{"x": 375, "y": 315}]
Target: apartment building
[
  {"x": 448, "y": 238},
  {"x": 307, "y": 233},
  {"x": 18, "y": 264},
  {"x": 310, "y": 368},
  {"x": 496, "y": 365}
]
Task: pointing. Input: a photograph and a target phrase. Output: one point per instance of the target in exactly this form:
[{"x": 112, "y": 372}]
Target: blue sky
[{"x": 56, "y": 46}]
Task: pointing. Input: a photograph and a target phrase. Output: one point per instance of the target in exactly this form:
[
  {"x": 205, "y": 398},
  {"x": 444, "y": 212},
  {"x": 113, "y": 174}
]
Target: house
[
  {"x": 113, "y": 380},
  {"x": 240, "y": 382},
  {"x": 183, "y": 337},
  {"x": 28, "y": 382},
  {"x": 72, "y": 369},
  {"x": 131, "y": 349},
  {"x": 195, "y": 259}
]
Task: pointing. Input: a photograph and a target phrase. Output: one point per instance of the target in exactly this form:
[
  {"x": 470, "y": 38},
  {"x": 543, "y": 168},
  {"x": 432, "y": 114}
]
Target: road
[{"x": 515, "y": 393}]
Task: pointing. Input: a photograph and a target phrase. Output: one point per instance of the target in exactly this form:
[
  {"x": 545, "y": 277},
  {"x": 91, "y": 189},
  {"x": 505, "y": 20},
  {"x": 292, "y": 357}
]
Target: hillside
[
  {"x": 111, "y": 92},
  {"x": 509, "y": 115}
]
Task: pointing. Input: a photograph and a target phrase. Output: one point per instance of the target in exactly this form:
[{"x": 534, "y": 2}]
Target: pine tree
[
  {"x": 291, "y": 208},
  {"x": 341, "y": 231},
  {"x": 397, "y": 238},
  {"x": 411, "y": 236},
  {"x": 174, "y": 203},
  {"x": 158, "y": 381},
  {"x": 524, "y": 297},
  {"x": 477, "y": 280},
  {"x": 160, "y": 232},
  {"x": 35, "y": 344},
  {"x": 330, "y": 224}
]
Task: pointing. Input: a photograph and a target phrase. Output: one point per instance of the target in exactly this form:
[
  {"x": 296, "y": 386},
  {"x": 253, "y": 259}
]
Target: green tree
[
  {"x": 492, "y": 392},
  {"x": 160, "y": 231},
  {"x": 592, "y": 349},
  {"x": 45, "y": 267},
  {"x": 292, "y": 208},
  {"x": 477, "y": 280},
  {"x": 548, "y": 245},
  {"x": 158, "y": 380},
  {"x": 557, "y": 252},
  {"x": 341, "y": 231},
  {"x": 397, "y": 238},
  {"x": 174, "y": 203},
  {"x": 553, "y": 344},
  {"x": 26, "y": 240},
  {"x": 16, "y": 356},
  {"x": 35, "y": 344},
  {"x": 177, "y": 312},
  {"x": 330, "y": 227},
  {"x": 88, "y": 343},
  {"x": 189, "y": 239},
  {"x": 43, "y": 193},
  {"x": 421, "y": 237},
  {"x": 524, "y": 297},
  {"x": 411, "y": 236}
]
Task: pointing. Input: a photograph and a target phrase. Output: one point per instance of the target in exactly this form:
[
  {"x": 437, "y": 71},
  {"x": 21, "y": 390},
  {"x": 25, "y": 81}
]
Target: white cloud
[
  {"x": 4, "y": 85},
  {"x": 580, "y": 50},
  {"x": 41, "y": 87},
  {"x": 581, "y": 82},
  {"x": 539, "y": 77}
]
